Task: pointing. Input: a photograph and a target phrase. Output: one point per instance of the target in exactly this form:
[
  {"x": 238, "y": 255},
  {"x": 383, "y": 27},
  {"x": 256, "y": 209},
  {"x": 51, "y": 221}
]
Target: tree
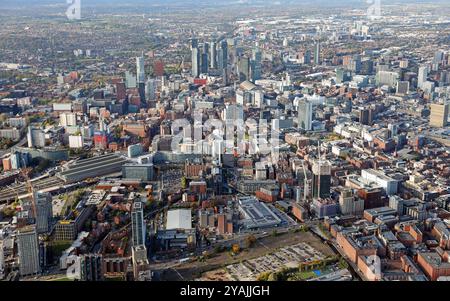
[
  {"x": 263, "y": 276},
  {"x": 183, "y": 182},
  {"x": 250, "y": 241}
]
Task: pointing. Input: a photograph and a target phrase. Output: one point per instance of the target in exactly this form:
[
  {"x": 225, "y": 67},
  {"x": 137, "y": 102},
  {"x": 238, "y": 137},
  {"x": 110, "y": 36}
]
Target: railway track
[{"x": 11, "y": 192}]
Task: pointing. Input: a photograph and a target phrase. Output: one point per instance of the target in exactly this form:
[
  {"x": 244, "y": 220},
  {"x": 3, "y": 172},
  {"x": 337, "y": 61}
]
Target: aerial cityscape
[{"x": 220, "y": 140}]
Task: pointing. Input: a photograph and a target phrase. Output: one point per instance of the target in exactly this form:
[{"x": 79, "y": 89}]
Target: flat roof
[{"x": 179, "y": 219}]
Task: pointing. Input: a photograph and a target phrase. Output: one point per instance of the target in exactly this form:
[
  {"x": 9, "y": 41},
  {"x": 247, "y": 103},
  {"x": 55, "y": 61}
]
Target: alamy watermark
[
  {"x": 374, "y": 10},
  {"x": 73, "y": 12}
]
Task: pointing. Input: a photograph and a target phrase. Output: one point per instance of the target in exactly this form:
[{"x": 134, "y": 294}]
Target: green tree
[{"x": 184, "y": 182}]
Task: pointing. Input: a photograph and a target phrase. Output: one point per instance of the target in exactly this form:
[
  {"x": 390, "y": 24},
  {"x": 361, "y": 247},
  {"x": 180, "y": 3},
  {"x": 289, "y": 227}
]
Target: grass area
[
  {"x": 64, "y": 279},
  {"x": 59, "y": 247},
  {"x": 305, "y": 275}
]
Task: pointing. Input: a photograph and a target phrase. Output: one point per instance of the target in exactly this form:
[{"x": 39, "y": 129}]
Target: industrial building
[
  {"x": 179, "y": 219},
  {"x": 257, "y": 214},
  {"x": 143, "y": 172}
]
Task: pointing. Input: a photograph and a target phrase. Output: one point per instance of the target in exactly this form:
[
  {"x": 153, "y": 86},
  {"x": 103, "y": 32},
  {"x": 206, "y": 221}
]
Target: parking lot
[{"x": 287, "y": 257}]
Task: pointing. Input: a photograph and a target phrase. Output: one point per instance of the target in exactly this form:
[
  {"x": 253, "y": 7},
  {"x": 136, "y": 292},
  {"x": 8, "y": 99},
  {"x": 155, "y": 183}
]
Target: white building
[
  {"x": 76, "y": 141},
  {"x": 233, "y": 112},
  {"x": 179, "y": 219},
  {"x": 389, "y": 184},
  {"x": 68, "y": 119}
]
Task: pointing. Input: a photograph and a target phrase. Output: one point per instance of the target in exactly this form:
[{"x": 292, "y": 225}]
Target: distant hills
[{"x": 11, "y": 4}]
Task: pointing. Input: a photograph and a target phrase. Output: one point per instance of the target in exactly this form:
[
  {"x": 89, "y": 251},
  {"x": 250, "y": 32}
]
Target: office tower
[
  {"x": 18, "y": 160},
  {"x": 439, "y": 115},
  {"x": 404, "y": 64},
  {"x": 213, "y": 55},
  {"x": 137, "y": 223},
  {"x": 402, "y": 87},
  {"x": 130, "y": 80},
  {"x": 68, "y": 119},
  {"x": 366, "y": 116},
  {"x": 91, "y": 267},
  {"x": 139, "y": 259},
  {"x": 35, "y": 137},
  {"x": 343, "y": 76},
  {"x": 233, "y": 112},
  {"x": 366, "y": 67},
  {"x": 195, "y": 62},
  {"x": 150, "y": 89},
  {"x": 225, "y": 77},
  {"x": 356, "y": 64},
  {"x": 44, "y": 212},
  {"x": 387, "y": 78},
  {"x": 140, "y": 69},
  {"x": 256, "y": 64},
  {"x": 321, "y": 179},
  {"x": 307, "y": 57},
  {"x": 194, "y": 43},
  {"x": 317, "y": 54},
  {"x": 439, "y": 56},
  {"x": 244, "y": 68},
  {"x": 393, "y": 129},
  {"x": 121, "y": 91},
  {"x": 205, "y": 64},
  {"x": 305, "y": 115},
  {"x": 141, "y": 90},
  {"x": 222, "y": 60},
  {"x": 28, "y": 248},
  {"x": 350, "y": 205},
  {"x": 422, "y": 76}
]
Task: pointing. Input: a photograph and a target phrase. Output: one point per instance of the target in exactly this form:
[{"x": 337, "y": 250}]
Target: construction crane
[
  {"x": 305, "y": 182},
  {"x": 30, "y": 188}
]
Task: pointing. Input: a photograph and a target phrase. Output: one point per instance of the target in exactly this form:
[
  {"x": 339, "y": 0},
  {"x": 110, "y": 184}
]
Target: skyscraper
[
  {"x": 137, "y": 223},
  {"x": 194, "y": 43},
  {"x": 130, "y": 80},
  {"x": 150, "y": 89},
  {"x": 321, "y": 179},
  {"x": 305, "y": 115},
  {"x": 366, "y": 116},
  {"x": 28, "y": 247},
  {"x": 205, "y": 53},
  {"x": 306, "y": 57},
  {"x": 222, "y": 59},
  {"x": 244, "y": 68},
  {"x": 317, "y": 54},
  {"x": 140, "y": 69},
  {"x": 439, "y": 115},
  {"x": 195, "y": 62},
  {"x": 213, "y": 55},
  {"x": 422, "y": 76},
  {"x": 44, "y": 212},
  {"x": 256, "y": 64}
]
